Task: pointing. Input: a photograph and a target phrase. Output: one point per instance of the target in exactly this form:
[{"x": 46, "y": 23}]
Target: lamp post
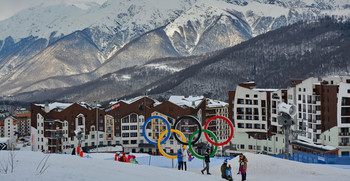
[{"x": 96, "y": 107}]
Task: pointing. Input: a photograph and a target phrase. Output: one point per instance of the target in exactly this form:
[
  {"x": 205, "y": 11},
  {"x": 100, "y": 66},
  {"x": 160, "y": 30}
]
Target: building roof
[
  {"x": 305, "y": 142},
  {"x": 130, "y": 101},
  {"x": 191, "y": 101},
  {"x": 56, "y": 105},
  {"x": 215, "y": 103},
  {"x": 266, "y": 90}
]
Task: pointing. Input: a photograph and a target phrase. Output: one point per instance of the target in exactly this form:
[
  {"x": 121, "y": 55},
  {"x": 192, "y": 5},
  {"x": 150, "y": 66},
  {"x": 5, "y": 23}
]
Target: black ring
[{"x": 198, "y": 124}]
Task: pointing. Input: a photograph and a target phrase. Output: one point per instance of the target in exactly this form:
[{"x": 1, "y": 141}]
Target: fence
[{"x": 317, "y": 159}]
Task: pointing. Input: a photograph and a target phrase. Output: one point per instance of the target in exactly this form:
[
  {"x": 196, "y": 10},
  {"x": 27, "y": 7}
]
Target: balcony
[
  {"x": 344, "y": 144},
  {"x": 344, "y": 134}
]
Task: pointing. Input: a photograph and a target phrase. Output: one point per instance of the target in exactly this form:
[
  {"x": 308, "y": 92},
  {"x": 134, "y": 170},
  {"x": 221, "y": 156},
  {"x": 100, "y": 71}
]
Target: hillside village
[{"x": 322, "y": 121}]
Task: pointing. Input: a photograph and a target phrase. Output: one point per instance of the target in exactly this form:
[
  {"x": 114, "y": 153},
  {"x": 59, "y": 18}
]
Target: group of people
[
  {"x": 124, "y": 158},
  {"x": 226, "y": 169},
  {"x": 182, "y": 157}
]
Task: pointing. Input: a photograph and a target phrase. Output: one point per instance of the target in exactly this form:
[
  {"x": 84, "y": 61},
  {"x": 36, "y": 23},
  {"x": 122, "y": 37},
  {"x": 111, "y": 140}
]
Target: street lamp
[{"x": 96, "y": 107}]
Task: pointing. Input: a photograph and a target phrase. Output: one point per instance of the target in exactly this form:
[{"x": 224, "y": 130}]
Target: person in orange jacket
[{"x": 123, "y": 158}]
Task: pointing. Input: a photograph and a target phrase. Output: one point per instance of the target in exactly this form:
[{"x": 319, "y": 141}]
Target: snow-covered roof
[
  {"x": 130, "y": 101},
  {"x": 191, "y": 101},
  {"x": 55, "y": 105},
  {"x": 215, "y": 103},
  {"x": 266, "y": 90},
  {"x": 305, "y": 141}
]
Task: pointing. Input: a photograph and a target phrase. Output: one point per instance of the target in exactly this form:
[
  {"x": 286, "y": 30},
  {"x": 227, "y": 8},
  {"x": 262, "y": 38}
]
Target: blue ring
[{"x": 167, "y": 124}]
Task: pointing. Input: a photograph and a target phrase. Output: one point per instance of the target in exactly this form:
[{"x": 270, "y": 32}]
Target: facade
[
  {"x": 254, "y": 113},
  {"x": 323, "y": 114},
  {"x": 121, "y": 123},
  {"x": 23, "y": 117},
  {"x": 8, "y": 128}
]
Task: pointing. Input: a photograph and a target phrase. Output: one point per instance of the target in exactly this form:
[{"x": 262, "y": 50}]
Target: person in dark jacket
[
  {"x": 179, "y": 159},
  {"x": 73, "y": 152},
  {"x": 224, "y": 169},
  {"x": 207, "y": 161}
]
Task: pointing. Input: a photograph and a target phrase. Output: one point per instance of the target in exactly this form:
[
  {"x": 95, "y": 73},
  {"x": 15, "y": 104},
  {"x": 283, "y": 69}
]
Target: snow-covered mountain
[{"x": 125, "y": 33}]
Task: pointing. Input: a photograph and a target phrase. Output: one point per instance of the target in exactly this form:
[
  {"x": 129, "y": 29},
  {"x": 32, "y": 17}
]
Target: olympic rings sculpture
[{"x": 190, "y": 142}]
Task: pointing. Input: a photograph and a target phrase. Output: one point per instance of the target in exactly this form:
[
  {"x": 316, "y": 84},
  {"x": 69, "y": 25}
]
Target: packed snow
[{"x": 99, "y": 166}]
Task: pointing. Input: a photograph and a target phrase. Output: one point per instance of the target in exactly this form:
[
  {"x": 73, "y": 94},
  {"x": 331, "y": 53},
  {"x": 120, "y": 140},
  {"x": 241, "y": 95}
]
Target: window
[
  {"x": 101, "y": 142},
  {"x": 125, "y": 142},
  {"x": 117, "y": 142},
  {"x": 249, "y": 125},
  {"x": 133, "y": 142},
  {"x": 92, "y": 136},
  {"x": 247, "y": 95},
  {"x": 100, "y": 121},
  {"x": 240, "y": 125},
  {"x": 125, "y": 135},
  {"x": 133, "y": 127},
  {"x": 255, "y": 95},
  {"x": 101, "y": 136},
  {"x": 242, "y": 146},
  {"x": 117, "y": 128},
  {"x": 125, "y": 120},
  {"x": 240, "y": 101},
  {"x": 133, "y": 134},
  {"x": 125, "y": 127},
  {"x": 100, "y": 128}
]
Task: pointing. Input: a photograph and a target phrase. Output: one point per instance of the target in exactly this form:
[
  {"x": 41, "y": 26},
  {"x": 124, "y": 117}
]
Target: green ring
[{"x": 190, "y": 145}]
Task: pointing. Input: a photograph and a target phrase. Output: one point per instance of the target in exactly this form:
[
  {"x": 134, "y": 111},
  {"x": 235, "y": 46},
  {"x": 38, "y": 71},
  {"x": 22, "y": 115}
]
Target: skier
[
  {"x": 243, "y": 166},
  {"x": 207, "y": 161},
  {"x": 179, "y": 159},
  {"x": 226, "y": 171}
]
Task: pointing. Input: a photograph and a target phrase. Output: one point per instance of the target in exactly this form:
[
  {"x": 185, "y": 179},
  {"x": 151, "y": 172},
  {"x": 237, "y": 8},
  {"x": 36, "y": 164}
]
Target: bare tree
[{"x": 42, "y": 166}]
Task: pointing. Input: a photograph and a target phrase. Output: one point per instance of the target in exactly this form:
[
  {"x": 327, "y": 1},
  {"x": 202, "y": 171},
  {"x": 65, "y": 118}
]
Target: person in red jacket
[
  {"x": 116, "y": 157},
  {"x": 123, "y": 158}
]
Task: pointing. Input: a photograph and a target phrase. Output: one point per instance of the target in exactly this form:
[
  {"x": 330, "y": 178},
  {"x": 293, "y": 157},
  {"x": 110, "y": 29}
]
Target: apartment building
[
  {"x": 8, "y": 128},
  {"x": 121, "y": 123},
  {"x": 254, "y": 113},
  {"x": 322, "y": 115},
  {"x": 23, "y": 117}
]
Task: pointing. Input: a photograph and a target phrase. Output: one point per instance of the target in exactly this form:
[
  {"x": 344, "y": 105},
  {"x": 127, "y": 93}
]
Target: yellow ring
[{"x": 160, "y": 138}]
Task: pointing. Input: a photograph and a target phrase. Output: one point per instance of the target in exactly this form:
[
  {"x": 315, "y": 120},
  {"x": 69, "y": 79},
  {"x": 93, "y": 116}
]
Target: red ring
[{"x": 206, "y": 126}]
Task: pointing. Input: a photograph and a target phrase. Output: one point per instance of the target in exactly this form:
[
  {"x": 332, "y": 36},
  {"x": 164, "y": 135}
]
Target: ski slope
[{"x": 102, "y": 167}]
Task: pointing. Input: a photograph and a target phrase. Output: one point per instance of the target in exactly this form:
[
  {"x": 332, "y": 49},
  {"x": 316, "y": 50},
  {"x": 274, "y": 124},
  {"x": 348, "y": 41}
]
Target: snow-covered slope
[
  {"x": 102, "y": 166},
  {"x": 122, "y": 32}
]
